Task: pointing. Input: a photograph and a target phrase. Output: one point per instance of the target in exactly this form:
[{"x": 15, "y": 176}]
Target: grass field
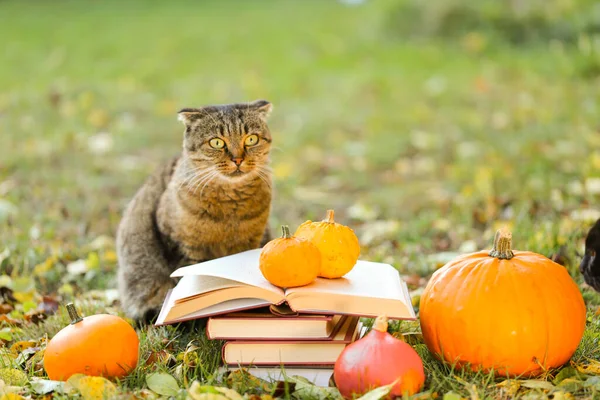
[{"x": 425, "y": 126}]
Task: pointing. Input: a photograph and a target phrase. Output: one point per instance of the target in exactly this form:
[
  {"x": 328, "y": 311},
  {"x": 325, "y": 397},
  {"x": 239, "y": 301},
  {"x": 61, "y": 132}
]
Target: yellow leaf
[
  {"x": 95, "y": 388},
  {"x": 110, "y": 256},
  {"x": 18, "y": 347},
  {"x": 11, "y": 396},
  {"x": 45, "y": 266},
  {"x": 13, "y": 376},
  {"x": 23, "y": 297},
  {"x": 593, "y": 368},
  {"x": 230, "y": 393}
]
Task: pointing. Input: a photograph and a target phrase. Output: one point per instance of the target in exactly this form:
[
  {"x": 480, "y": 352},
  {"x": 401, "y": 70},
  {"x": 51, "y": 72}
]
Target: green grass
[{"x": 423, "y": 143}]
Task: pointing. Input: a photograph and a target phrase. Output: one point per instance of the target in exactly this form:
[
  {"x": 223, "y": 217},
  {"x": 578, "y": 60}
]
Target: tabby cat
[{"x": 210, "y": 201}]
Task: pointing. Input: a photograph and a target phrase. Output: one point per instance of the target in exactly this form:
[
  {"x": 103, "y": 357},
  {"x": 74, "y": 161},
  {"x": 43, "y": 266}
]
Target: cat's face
[{"x": 231, "y": 141}]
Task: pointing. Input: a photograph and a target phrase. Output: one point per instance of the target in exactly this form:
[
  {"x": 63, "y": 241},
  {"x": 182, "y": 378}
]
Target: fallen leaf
[
  {"x": 161, "y": 357},
  {"x": 5, "y": 308},
  {"x": 305, "y": 389},
  {"x": 7, "y": 389},
  {"x": 560, "y": 395},
  {"x": 13, "y": 376},
  {"x": 229, "y": 393},
  {"x": 49, "y": 305},
  {"x": 452, "y": 396},
  {"x": 537, "y": 384},
  {"x": 18, "y": 347},
  {"x": 204, "y": 392},
  {"x": 10, "y": 321},
  {"x": 93, "y": 387},
  {"x": 570, "y": 384},
  {"x": 35, "y": 316},
  {"x": 591, "y": 368},
  {"x": 163, "y": 384},
  {"x": 45, "y": 386},
  {"x": 5, "y": 334},
  {"x": 11, "y": 396},
  {"x": 243, "y": 381},
  {"x": 26, "y": 354}
]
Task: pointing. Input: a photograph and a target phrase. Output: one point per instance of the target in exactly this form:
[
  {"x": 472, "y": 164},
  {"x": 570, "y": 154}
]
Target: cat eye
[
  {"x": 251, "y": 140},
  {"x": 216, "y": 143}
]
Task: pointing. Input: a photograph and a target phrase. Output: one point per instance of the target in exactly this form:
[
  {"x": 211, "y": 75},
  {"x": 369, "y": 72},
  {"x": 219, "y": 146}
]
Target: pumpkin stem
[
  {"x": 380, "y": 323},
  {"x": 285, "y": 232},
  {"x": 329, "y": 217},
  {"x": 75, "y": 318},
  {"x": 502, "y": 245}
]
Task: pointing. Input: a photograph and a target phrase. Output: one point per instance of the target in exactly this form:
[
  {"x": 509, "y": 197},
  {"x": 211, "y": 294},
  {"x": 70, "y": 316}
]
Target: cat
[
  {"x": 210, "y": 201},
  {"x": 590, "y": 263}
]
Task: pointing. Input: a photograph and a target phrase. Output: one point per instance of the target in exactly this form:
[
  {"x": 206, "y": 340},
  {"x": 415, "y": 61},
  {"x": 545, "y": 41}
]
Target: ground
[{"x": 426, "y": 126}]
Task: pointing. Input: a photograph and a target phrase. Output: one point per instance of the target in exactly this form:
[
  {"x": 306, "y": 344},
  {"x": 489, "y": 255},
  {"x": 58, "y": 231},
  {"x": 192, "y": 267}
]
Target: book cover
[
  {"x": 292, "y": 353},
  {"x": 268, "y": 326}
]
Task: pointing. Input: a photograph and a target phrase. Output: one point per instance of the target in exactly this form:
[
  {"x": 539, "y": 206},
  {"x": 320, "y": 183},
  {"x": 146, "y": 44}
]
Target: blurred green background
[{"x": 425, "y": 125}]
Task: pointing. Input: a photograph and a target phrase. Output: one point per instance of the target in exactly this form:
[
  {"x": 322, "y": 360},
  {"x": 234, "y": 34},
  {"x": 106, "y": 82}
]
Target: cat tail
[{"x": 143, "y": 274}]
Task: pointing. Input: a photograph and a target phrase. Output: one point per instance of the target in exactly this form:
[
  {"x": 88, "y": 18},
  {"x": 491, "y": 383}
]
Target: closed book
[
  {"x": 268, "y": 326},
  {"x": 289, "y": 353},
  {"x": 235, "y": 283},
  {"x": 315, "y": 375}
]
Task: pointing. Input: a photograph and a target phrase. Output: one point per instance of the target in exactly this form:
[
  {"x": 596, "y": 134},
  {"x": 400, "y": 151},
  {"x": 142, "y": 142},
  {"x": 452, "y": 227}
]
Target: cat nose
[{"x": 237, "y": 160}]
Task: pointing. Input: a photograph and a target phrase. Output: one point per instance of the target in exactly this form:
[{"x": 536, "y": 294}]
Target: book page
[
  {"x": 240, "y": 267},
  {"x": 367, "y": 279},
  {"x": 369, "y": 290},
  {"x": 195, "y": 285}
]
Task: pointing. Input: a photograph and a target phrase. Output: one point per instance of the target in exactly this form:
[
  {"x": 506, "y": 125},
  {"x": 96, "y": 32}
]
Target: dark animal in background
[{"x": 590, "y": 264}]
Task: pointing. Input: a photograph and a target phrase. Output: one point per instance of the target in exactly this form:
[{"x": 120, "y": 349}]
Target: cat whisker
[
  {"x": 206, "y": 178},
  {"x": 198, "y": 179},
  {"x": 213, "y": 177}
]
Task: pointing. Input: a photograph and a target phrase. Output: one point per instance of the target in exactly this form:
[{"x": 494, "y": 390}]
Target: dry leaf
[
  {"x": 18, "y": 347},
  {"x": 592, "y": 368},
  {"x": 13, "y": 376},
  {"x": 95, "y": 388}
]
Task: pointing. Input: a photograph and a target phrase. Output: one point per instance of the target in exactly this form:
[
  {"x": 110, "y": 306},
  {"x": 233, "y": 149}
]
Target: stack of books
[{"x": 272, "y": 331}]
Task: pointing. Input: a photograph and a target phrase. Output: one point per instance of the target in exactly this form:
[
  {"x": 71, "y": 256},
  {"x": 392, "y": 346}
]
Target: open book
[{"x": 235, "y": 283}]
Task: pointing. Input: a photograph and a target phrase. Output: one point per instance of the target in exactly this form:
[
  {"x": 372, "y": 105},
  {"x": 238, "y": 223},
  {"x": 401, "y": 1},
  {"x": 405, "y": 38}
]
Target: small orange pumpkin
[
  {"x": 516, "y": 312},
  {"x": 289, "y": 261},
  {"x": 338, "y": 245},
  {"x": 97, "y": 345}
]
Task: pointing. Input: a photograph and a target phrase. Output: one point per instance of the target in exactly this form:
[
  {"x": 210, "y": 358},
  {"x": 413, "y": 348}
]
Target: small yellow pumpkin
[
  {"x": 337, "y": 243},
  {"x": 289, "y": 261}
]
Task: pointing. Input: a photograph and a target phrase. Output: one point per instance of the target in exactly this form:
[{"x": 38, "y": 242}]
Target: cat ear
[
  {"x": 263, "y": 107},
  {"x": 188, "y": 115}
]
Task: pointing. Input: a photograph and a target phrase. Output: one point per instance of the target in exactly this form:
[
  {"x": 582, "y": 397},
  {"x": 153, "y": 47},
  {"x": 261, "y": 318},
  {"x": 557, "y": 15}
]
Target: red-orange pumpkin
[
  {"x": 97, "y": 345},
  {"x": 378, "y": 359},
  {"x": 514, "y": 312}
]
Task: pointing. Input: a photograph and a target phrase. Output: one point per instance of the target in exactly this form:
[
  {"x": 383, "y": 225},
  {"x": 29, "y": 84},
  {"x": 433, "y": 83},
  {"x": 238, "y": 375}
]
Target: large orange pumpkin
[
  {"x": 97, "y": 345},
  {"x": 289, "y": 261},
  {"x": 337, "y": 243},
  {"x": 514, "y": 312}
]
